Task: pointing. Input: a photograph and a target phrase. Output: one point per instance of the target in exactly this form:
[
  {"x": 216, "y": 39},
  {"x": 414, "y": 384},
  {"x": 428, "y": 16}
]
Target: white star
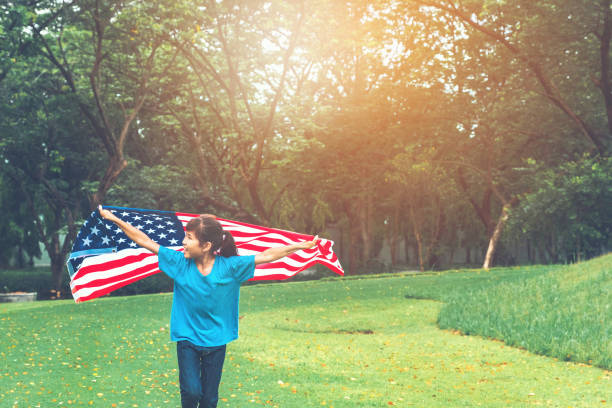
[
  {"x": 138, "y": 226},
  {"x": 118, "y": 230},
  {"x": 138, "y": 217},
  {"x": 150, "y": 230},
  {"x": 95, "y": 230},
  {"x": 169, "y": 222},
  {"x": 133, "y": 244},
  {"x": 148, "y": 222},
  {"x": 121, "y": 240},
  {"x": 173, "y": 241},
  {"x": 86, "y": 242},
  {"x": 105, "y": 240},
  {"x": 172, "y": 230},
  {"x": 125, "y": 213},
  {"x": 162, "y": 235}
]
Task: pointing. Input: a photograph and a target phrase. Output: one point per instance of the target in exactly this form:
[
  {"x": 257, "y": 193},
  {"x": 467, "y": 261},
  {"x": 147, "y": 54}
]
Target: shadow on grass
[{"x": 328, "y": 331}]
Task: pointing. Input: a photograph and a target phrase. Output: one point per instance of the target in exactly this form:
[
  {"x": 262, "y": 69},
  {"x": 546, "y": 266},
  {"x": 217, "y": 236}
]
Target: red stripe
[
  {"x": 267, "y": 239},
  {"x": 108, "y": 265},
  {"x": 281, "y": 276},
  {"x": 291, "y": 234},
  {"x": 104, "y": 291},
  {"x": 115, "y": 278},
  {"x": 279, "y": 265},
  {"x": 261, "y": 248}
]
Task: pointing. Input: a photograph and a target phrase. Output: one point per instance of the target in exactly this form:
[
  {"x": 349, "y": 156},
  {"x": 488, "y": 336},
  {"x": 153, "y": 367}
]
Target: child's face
[{"x": 193, "y": 248}]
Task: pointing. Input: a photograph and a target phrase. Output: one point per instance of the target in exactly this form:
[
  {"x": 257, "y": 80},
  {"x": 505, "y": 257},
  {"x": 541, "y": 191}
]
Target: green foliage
[
  {"x": 18, "y": 236},
  {"x": 159, "y": 186},
  {"x": 387, "y": 120},
  {"x": 568, "y": 209},
  {"x": 39, "y": 280},
  {"x": 35, "y": 279},
  {"x": 564, "y": 313}
]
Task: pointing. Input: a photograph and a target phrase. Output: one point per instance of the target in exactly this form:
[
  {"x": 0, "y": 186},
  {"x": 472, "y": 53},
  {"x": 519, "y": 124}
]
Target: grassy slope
[
  {"x": 341, "y": 343},
  {"x": 565, "y": 313}
]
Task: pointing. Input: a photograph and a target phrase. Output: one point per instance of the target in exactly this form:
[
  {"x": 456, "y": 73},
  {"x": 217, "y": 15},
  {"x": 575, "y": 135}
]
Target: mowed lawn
[{"x": 335, "y": 343}]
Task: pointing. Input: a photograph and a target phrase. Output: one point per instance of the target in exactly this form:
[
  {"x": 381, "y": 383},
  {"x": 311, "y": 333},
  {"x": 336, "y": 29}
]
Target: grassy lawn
[
  {"x": 344, "y": 343},
  {"x": 565, "y": 313}
]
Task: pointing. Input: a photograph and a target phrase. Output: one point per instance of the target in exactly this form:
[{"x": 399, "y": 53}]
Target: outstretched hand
[
  {"x": 310, "y": 244},
  {"x": 273, "y": 254},
  {"x": 106, "y": 214}
]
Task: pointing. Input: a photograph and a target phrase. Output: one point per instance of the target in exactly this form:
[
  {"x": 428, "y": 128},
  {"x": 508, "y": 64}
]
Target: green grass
[
  {"x": 565, "y": 313},
  {"x": 341, "y": 343}
]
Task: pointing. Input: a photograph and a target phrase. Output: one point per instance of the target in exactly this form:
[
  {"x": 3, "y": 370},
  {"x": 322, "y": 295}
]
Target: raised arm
[
  {"x": 133, "y": 233},
  {"x": 272, "y": 254}
]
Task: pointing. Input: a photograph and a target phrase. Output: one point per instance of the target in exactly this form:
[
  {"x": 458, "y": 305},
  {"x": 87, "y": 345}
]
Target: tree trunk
[
  {"x": 365, "y": 228},
  {"x": 432, "y": 254},
  {"x": 451, "y": 255},
  {"x": 483, "y": 210},
  {"x": 417, "y": 237},
  {"x": 394, "y": 235},
  {"x": 57, "y": 272},
  {"x": 501, "y": 222},
  {"x": 406, "y": 248}
]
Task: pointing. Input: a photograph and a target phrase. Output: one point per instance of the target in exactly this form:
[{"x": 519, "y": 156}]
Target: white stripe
[
  {"x": 275, "y": 236},
  {"x": 112, "y": 256},
  {"x": 266, "y": 244},
  {"x": 274, "y": 271},
  {"x": 83, "y": 292},
  {"x": 228, "y": 223},
  {"x": 101, "y": 259},
  {"x": 115, "y": 272},
  {"x": 184, "y": 219},
  {"x": 288, "y": 259},
  {"x": 242, "y": 228}
]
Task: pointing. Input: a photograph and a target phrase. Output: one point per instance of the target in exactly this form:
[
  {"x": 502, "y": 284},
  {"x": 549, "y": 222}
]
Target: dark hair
[{"x": 208, "y": 229}]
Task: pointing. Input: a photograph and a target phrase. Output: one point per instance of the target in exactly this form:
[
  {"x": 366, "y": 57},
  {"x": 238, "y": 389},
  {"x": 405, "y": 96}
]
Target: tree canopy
[{"x": 480, "y": 126}]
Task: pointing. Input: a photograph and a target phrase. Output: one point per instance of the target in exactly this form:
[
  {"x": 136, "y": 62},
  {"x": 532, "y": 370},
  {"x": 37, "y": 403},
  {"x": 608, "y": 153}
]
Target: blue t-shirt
[{"x": 205, "y": 308}]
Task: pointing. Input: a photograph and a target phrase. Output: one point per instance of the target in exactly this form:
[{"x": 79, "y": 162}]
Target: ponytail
[
  {"x": 228, "y": 246},
  {"x": 208, "y": 229}
]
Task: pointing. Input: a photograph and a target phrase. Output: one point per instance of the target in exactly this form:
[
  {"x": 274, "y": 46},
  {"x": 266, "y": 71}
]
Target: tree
[
  {"x": 567, "y": 211},
  {"x": 223, "y": 110},
  {"x": 497, "y": 49},
  {"x": 65, "y": 80},
  {"x": 523, "y": 30},
  {"x": 44, "y": 162},
  {"x": 105, "y": 52},
  {"x": 18, "y": 238}
]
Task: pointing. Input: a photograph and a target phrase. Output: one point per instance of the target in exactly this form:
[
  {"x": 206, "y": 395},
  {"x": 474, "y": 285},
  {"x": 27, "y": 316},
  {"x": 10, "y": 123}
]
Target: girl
[{"x": 204, "y": 318}]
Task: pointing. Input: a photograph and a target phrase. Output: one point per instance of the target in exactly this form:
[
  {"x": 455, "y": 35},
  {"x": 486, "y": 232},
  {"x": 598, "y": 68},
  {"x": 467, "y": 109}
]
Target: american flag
[{"x": 103, "y": 258}]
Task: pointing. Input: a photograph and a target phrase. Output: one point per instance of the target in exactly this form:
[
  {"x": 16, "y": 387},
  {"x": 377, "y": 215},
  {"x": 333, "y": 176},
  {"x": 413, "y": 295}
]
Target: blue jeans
[{"x": 199, "y": 374}]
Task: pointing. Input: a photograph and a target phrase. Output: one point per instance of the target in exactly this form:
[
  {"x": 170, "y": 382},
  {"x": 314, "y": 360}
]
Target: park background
[
  {"x": 416, "y": 134},
  {"x": 425, "y": 137}
]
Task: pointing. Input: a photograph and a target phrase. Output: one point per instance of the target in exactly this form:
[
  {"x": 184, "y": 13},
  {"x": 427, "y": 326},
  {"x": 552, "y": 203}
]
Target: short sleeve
[
  {"x": 171, "y": 262},
  {"x": 243, "y": 267}
]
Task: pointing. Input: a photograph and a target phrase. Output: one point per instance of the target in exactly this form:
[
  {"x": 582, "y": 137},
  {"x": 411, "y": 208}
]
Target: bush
[
  {"x": 39, "y": 280},
  {"x": 579, "y": 194},
  {"x": 36, "y": 279}
]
